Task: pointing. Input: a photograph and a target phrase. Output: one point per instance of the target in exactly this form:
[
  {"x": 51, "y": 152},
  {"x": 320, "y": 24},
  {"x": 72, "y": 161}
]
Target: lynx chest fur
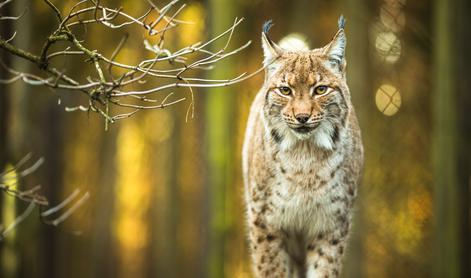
[{"x": 302, "y": 160}]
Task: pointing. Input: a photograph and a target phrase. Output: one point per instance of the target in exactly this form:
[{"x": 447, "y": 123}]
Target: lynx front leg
[
  {"x": 268, "y": 255},
  {"x": 324, "y": 256}
]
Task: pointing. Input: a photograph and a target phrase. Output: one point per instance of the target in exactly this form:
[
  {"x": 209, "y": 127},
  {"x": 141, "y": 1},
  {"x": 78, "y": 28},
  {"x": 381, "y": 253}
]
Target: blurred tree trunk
[
  {"x": 463, "y": 90},
  {"x": 219, "y": 140},
  {"x": 54, "y": 176},
  {"x": 358, "y": 75},
  {"x": 5, "y": 32},
  {"x": 19, "y": 128},
  {"x": 451, "y": 166},
  {"x": 161, "y": 250},
  {"x": 102, "y": 261},
  {"x": 16, "y": 140},
  {"x": 171, "y": 259},
  {"x": 5, "y": 247}
]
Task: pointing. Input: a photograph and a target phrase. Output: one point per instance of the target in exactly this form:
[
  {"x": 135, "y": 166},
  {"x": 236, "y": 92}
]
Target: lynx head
[{"x": 306, "y": 95}]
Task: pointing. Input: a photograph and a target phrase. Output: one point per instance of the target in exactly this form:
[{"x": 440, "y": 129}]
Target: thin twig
[
  {"x": 108, "y": 89},
  {"x": 18, "y": 220}
]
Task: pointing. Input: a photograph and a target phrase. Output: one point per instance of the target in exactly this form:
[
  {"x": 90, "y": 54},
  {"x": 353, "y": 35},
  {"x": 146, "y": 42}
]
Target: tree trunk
[
  {"x": 463, "y": 99},
  {"x": 445, "y": 145},
  {"x": 358, "y": 73},
  {"x": 219, "y": 140}
]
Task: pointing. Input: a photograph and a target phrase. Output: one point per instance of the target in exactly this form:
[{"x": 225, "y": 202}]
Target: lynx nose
[{"x": 302, "y": 118}]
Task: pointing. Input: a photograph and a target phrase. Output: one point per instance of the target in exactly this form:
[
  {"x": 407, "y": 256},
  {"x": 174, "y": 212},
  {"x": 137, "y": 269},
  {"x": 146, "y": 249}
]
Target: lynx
[{"x": 302, "y": 160}]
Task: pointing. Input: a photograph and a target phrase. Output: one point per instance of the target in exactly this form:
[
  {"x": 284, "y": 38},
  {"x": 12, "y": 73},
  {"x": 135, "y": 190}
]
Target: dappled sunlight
[
  {"x": 419, "y": 203},
  {"x": 408, "y": 232},
  {"x": 395, "y": 229}
]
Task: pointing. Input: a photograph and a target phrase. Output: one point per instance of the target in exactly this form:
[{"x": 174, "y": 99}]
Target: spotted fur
[{"x": 301, "y": 178}]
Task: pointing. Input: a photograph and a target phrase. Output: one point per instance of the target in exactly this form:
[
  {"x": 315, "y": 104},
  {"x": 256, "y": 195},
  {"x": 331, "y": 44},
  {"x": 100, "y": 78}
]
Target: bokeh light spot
[
  {"x": 294, "y": 42},
  {"x": 388, "y": 99},
  {"x": 388, "y": 46}
]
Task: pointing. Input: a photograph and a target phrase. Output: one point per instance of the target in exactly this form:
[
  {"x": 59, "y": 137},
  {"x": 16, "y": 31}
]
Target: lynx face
[{"x": 306, "y": 93}]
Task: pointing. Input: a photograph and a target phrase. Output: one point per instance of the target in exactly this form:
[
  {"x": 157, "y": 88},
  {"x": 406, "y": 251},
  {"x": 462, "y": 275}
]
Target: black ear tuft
[
  {"x": 267, "y": 25},
  {"x": 341, "y": 22}
]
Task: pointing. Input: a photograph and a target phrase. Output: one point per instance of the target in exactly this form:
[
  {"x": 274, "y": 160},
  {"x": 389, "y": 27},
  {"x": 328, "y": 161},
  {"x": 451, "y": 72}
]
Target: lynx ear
[
  {"x": 335, "y": 50},
  {"x": 271, "y": 51}
]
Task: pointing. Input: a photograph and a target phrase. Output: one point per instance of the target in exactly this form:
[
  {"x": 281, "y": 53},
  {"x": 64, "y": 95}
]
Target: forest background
[{"x": 164, "y": 192}]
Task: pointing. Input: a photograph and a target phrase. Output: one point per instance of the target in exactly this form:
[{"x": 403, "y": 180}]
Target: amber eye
[
  {"x": 320, "y": 90},
  {"x": 285, "y": 91}
]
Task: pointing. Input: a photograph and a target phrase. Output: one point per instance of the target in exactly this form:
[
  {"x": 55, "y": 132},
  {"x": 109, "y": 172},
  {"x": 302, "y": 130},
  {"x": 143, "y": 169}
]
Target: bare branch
[
  {"x": 61, "y": 205},
  {"x": 69, "y": 211},
  {"x": 4, "y": 3},
  {"x": 9, "y": 183},
  {"x": 18, "y": 220},
  {"x": 109, "y": 91}
]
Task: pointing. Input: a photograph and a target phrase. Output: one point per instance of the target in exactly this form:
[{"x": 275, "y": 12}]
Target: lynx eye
[
  {"x": 285, "y": 90},
  {"x": 320, "y": 90}
]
